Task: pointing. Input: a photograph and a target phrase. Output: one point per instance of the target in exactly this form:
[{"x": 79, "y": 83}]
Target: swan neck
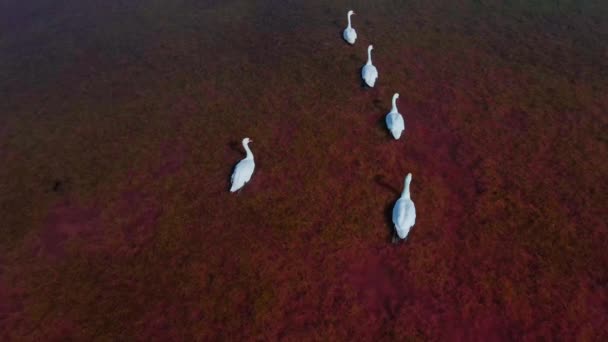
[
  {"x": 249, "y": 153},
  {"x": 406, "y": 190},
  {"x": 349, "y": 14},
  {"x": 369, "y": 56},
  {"x": 394, "y": 109}
]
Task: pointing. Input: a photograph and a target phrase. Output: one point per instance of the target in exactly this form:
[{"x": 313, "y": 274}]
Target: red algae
[
  {"x": 144, "y": 216},
  {"x": 122, "y": 123},
  {"x": 66, "y": 222}
]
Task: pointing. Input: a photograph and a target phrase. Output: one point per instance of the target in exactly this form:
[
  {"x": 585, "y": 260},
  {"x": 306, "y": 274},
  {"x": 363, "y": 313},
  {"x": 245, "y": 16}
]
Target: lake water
[{"x": 121, "y": 121}]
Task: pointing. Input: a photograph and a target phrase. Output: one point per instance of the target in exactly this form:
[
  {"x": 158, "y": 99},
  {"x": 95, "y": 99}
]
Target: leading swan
[
  {"x": 244, "y": 169},
  {"x": 404, "y": 212},
  {"x": 394, "y": 120},
  {"x": 349, "y": 34},
  {"x": 369, "y": 71}
]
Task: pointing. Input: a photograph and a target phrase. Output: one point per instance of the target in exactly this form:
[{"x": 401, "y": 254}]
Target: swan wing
[
  {"x": 369, "y": 74},
  {"x": 394, "y": 122},
  {"x": 353, "y": 35},
  {"x": 242, "y": 174},
  {"x": 389, "y": 121},
  {"x": 374, "y": 71},
  {"x": 398, "y": 122},
  {"x": 350, "y": 35},
  {"x": 404, "y": 216}
]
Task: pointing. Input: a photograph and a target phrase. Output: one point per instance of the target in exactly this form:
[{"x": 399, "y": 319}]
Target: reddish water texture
[{"x": 120, "y": 225}]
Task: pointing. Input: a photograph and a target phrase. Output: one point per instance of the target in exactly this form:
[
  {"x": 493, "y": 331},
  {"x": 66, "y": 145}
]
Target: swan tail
[{"x": 395, "y": 239}]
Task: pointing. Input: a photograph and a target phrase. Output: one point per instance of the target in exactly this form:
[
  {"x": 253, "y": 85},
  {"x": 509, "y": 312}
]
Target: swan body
[
  {"x": 369, "y": 73},
  {"x": 404, "y": 212},
  {"x": 243, "y": 170},
  {"x": 394, "y": 120},
  {"x": 349, "y": 34}
]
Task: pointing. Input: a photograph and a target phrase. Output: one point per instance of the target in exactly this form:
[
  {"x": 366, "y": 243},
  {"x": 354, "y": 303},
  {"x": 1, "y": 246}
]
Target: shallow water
[{"x": 121, "y": 123}]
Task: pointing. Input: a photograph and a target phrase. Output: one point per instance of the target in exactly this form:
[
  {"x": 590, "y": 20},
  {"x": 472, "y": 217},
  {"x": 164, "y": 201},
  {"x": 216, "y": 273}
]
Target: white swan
[
  {"x": 394, "y": 120},
  {"x": 404, "y": 212},
  {"x": 243, "y": 170},
  {"x": 350, "y": 35},
  {"x": 369, "y": 71}
]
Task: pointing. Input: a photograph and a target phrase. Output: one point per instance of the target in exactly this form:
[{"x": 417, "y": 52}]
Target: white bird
[
  {"x": 394, "y": 120},
  {"x": 350, "y": 35},
  {"x": 243, "y": 170},
  {"x": 369, "y": 71},
  {"x": 404, "y": 212}
]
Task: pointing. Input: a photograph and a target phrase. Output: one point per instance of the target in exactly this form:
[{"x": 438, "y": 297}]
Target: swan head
[
  {"x": 351, "y": 12},
  {"x": 408, "y": 178},
  {"x": 370, "y": 47},
  {"x": 396, "y": 96},
  {"x": 247, "y": 141}
]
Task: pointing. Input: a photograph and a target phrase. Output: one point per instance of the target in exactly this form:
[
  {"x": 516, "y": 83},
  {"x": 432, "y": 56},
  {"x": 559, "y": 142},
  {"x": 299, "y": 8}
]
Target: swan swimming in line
[
  {"x": 394, "y": 120},
  {"x": 350, "y": 35},
  {"x": 244, "y": 169},
  {"x": 369, "y": 71},
  {"x": 404, "y": 212}
]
